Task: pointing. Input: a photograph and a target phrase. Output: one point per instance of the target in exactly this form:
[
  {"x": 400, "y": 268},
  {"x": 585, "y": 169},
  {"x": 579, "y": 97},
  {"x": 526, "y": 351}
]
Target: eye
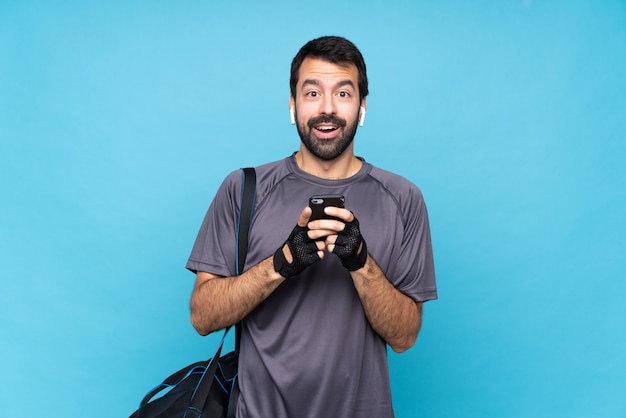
[
  {"x": 312, "y": 93},
  {"x": 344, "y": 94}
]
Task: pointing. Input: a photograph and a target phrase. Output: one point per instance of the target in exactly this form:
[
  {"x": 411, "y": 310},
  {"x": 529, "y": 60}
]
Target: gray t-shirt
[{"x": 308, "y": 349}]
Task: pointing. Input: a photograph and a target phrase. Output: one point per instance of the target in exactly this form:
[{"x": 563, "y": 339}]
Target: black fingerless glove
[
  {"x": 347, "y": 246},
  {"x": 303, "y": 253}
]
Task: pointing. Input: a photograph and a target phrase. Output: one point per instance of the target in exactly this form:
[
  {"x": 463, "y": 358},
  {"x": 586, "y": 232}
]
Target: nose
[{"x": 327, "y": 105}]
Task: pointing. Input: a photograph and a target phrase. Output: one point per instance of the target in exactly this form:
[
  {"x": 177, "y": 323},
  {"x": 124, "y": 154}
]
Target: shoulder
[
  {"x": 401, "y": 189},
  {"x": 267, "y": 176}
]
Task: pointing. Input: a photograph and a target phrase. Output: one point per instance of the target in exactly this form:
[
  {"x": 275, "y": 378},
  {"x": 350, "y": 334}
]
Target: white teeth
[{"x": 326, "y": 128}]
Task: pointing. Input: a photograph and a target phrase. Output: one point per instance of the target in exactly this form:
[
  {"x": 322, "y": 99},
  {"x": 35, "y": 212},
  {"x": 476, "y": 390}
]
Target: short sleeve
[
  {"x": 215, "y": 245},
  {"x": 414, "y": 272}
]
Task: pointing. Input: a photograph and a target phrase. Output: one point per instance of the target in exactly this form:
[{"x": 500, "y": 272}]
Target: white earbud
[
  {"x": 292, "y": 114},
  {"x": 362, "y": 116}
]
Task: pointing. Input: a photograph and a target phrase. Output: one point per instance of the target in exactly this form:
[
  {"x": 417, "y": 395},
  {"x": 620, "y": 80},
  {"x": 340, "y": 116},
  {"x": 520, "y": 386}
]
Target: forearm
[
  {"x": 218, "y": 302},
  {"x": 393, "y": 315}
]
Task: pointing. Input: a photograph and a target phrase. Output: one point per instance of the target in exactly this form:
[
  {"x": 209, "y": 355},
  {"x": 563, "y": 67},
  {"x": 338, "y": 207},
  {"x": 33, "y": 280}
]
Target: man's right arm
[{"x": 218, "y": 302}]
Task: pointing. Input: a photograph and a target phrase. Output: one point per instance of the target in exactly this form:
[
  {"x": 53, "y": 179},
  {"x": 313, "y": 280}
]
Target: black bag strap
[
  {"x": 199, "y": 396},
  {"x": 172, "y": 381},
  {"x": 177, "y": 377},
  {"x": 248, "y": 194}
]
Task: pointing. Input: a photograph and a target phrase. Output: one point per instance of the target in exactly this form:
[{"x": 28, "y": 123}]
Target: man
[{"x": 319, "y": 301}]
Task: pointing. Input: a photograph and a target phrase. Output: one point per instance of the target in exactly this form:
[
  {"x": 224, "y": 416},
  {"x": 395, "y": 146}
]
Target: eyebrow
[{"x": 314, "y": 82}]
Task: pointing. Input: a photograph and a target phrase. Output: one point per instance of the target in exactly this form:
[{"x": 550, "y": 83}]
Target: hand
[
  {"x": 299, "y": 251},
  {"x": 342, "y": 237}
]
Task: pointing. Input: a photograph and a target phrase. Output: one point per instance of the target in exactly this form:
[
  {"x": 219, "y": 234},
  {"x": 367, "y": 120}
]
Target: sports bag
[{"x": 207, "y": 388}]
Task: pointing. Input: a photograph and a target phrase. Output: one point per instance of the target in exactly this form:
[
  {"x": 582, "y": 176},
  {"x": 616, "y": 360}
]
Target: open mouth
[
  {"x": 326, "y": 124},
  {"x": 326, "y": 128}
]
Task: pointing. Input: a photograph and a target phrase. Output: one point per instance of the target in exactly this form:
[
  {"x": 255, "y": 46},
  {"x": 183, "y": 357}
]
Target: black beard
[{"x": 327, "y": 149}]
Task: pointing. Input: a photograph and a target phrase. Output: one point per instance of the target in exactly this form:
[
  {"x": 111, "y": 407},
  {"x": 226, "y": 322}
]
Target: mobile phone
[{"x": 319, "y": 202}]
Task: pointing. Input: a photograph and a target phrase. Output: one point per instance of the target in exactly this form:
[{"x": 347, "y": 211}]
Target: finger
[
  {"x": 327, "y": 224},
  {"x": 341, "y": 213},
  {"x": 330, "y": 243},
  {"x": 317, "y": 234},
  {"x": 303, "y": 220}
]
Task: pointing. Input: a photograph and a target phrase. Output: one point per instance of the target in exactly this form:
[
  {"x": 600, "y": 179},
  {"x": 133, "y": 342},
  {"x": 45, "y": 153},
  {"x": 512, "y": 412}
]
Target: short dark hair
[{"x": 334, "y": 49}]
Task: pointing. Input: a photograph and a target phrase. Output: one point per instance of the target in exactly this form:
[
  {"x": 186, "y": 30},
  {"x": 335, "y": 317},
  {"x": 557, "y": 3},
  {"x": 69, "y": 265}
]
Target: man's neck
[{"x": 342, "y": 167}]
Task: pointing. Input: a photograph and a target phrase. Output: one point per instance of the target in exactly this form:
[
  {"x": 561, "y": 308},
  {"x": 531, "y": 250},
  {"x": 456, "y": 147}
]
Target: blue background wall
[{"x": 118, "y": 121}]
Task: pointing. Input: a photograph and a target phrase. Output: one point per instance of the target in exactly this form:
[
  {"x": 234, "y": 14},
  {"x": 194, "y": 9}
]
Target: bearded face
[
  {"x": 326, "y": 107},
  {"x": 327, "y": 136}
]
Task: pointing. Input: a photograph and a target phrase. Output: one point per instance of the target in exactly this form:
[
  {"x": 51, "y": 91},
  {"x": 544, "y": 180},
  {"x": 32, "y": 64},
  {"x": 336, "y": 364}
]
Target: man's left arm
[{"x": 392, "y": 314}]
